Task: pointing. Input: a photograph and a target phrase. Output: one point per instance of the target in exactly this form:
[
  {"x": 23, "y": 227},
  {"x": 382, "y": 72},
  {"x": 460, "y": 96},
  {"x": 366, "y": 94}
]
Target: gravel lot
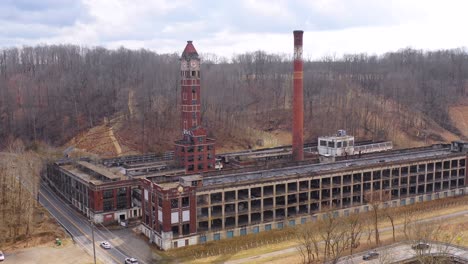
[{"x": 68, "y": 254}]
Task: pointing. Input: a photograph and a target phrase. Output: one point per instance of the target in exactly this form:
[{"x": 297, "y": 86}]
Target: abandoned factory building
[{"x": 192, "y": 195}]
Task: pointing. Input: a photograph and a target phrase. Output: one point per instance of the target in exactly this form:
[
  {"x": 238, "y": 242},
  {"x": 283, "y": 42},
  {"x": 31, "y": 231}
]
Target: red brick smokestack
[{"x": 298, "y": 99}]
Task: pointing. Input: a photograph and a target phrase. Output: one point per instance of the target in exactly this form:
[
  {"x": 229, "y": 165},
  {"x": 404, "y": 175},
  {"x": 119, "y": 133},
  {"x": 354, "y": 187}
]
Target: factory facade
[
  {"x": 237, "y": 204},
  {"x": 182, "y": 200},
  {"x": 103, "y": 195}
]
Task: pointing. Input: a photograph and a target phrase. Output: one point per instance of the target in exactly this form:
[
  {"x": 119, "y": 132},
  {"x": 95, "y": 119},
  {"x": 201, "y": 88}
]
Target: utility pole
[{"x": 92, "y": 235}]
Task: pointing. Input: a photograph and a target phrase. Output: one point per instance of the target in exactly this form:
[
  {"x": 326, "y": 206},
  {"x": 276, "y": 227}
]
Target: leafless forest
[{"x": 50, "y": 93}]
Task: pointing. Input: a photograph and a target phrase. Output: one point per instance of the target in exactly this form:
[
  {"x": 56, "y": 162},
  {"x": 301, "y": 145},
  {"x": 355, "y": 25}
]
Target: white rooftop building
[{"x": 337, "y": 145}]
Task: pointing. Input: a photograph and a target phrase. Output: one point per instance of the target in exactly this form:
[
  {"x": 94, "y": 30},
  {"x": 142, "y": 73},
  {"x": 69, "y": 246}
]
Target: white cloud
[
  {"x": 273, "y": 9},
  {"x": 227, "y": 28}
]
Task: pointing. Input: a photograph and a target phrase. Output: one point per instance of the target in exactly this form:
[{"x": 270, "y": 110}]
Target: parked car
[
  {"x": 2, "y": 256},
  {"x": 131, "y": 261},
  {"x": 105, "y": 245},
  {"x": 420, "y": 246},
  {"x": 370, "y": 255}
]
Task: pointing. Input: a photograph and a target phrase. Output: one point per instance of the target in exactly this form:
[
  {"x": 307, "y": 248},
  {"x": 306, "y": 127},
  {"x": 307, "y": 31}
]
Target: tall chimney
[{"x": 298, "y": 99}]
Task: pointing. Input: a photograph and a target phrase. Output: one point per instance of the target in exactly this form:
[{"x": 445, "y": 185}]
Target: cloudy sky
[{"x": 332, "y": 27}]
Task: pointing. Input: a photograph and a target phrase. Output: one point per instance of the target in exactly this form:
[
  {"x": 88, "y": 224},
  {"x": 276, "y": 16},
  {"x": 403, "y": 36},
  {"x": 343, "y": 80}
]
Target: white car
[
  {"x": 131, "y": 261},
  {"x": 105, "y": 245},
  {"x": 2, "y": 257}
]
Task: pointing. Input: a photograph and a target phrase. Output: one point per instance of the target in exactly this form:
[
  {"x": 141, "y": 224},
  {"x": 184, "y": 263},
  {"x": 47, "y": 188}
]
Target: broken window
[
  {"x": 107, "y": 194},
  {"x": 185, "y": 201},
  {"x": 160, "y": 201},
  {"x": 107, "y": 205},
  {"x": 174, "y": 203},
  {"x": 121, "y": 202}
]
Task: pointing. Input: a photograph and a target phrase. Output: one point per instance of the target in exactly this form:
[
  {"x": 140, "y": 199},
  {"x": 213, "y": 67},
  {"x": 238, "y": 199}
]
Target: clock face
[
  {"x": 194, "y": 64},
  {"x": 180, "y": 189},
  {"x": 184, "y": 64}
]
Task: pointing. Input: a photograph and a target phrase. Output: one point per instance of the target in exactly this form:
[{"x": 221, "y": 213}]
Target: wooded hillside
[{"x": 51, "y": 93}]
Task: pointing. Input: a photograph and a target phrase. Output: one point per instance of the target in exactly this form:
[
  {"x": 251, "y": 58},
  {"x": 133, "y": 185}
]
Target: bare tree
[
  {"x": 355, "y": 227},
  {"x": 308, "y": 236},
  {"x": 374, "y": 200}
]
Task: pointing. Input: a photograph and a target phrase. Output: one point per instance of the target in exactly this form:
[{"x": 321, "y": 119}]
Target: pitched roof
[{"x": 189, "y": 51}]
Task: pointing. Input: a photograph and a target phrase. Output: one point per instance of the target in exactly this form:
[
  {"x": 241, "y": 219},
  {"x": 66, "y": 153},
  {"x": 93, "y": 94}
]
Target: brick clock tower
[{"x": 195, "y": 152}]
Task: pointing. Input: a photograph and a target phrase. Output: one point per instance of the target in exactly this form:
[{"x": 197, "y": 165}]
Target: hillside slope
[
  {"x": 406, "y": 128},
  {"x": 459, "y": 117}
]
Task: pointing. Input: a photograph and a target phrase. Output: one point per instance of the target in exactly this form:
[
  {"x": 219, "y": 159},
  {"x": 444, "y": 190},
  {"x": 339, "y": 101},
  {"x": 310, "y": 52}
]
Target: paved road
[
  {"x": 294, "y": 249},
  {"x": 80, "y": 229},
  {"x": 400, "y": 252}
]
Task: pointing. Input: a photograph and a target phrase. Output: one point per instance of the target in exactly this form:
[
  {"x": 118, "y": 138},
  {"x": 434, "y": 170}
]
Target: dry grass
[
  {"x": 45, "y": 232},
  {"x": 459, "y": 117},
  {"x": 386, "y": 238}
]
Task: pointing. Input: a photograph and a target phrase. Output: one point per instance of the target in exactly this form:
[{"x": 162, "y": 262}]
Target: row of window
[
  {"x": 194, "y": 96},
  {"x": 338, "y": 180},
  {"x": 324, "y": 195},
  {"x": 302, "y": 194},
  {"x": 108, "y": 204},
  {"x": 106, "y": 194},
  {"x": 185, "y": 202},
  {"x": 338, "y": 144},
  {"x": 279, "y": 225},
  {"x": 253, "y": 230},
  {"x": 200, "y": 166},
  {"x": 200, "y": 158},
  {"x": 188, "y": 74},
  {"x": 197, "y": 148}
]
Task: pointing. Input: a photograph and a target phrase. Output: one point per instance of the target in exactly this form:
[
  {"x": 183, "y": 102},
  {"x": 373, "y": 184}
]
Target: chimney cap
[{"x": 298, "y": 31}]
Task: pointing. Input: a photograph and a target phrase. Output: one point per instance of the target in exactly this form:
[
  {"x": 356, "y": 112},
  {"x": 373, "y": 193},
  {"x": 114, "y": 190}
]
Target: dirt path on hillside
[
  {"x": 118, "y": 149},
  {"x": 459, "y": 116}
]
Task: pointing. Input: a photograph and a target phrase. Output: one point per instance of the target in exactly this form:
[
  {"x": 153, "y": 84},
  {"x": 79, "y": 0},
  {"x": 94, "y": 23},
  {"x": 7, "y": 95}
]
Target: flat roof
[
  {"x": 168, "y": 185},
  {"x": 80, "y": 174},
  {"x": 194, "y": 177},
  {"x": 378, "y": 158},
  {"x": 336, "y": 137},
  {"x": 101, "y": 170}
]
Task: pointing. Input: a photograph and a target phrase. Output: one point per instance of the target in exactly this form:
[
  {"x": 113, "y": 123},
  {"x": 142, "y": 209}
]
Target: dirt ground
[
  {"x": 68, "y": 253},
  {"x": 459, "y": 116}
]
